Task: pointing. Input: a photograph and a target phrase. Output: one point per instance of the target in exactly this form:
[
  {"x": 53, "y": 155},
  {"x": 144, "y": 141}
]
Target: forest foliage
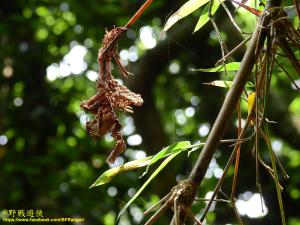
[{"x": 49, "y": 66}]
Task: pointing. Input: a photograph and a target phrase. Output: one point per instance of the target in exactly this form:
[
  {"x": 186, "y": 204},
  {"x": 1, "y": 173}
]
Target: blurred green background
[{"x": 48, "y": 52}]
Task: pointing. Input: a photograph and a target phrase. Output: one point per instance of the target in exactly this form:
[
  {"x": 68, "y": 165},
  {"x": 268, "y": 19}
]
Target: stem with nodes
[
  {"x": 229, "y": 104},
  {"x": 230, "y": 101}
]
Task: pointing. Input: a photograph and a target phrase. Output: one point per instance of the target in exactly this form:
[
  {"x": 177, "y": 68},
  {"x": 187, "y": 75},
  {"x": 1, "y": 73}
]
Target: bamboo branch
[
  {"x": 231, "y": 100},
  {"x": 229, "y": 104}
]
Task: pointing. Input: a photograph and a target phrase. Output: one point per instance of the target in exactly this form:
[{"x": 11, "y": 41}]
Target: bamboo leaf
[
  {"x": 184, "y": 11},
  {"x": 174, "y": 148},
  {"x": 204, "y": 18},
  {"x": 233, "y": 66},
  {"x": 108, "y": 175},
  {"x": 179, "y": 146},
  {"x": 226, "y": 83},
  {"x": 165, "y": 162}
]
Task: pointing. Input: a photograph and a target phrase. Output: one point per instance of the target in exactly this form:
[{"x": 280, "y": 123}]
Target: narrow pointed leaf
[
  {"x": 226, "y": 83},
  {"x": 184, "y": 11},
  {"x": 154, "y": 174},
  {"x": 174, "y": 148},
  {"x": 108, "y": 175},
  {"x": 179, "y": 146},
  {"x": 204, "y": 18},
  {"x": 233, "y": 66}
]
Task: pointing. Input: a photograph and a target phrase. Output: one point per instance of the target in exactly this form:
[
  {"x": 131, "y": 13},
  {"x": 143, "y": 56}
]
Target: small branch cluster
[
  {"x": 178, "y": 200},
  {"x": 273, "y": 30},
  {"x": 111, "y": 97}
]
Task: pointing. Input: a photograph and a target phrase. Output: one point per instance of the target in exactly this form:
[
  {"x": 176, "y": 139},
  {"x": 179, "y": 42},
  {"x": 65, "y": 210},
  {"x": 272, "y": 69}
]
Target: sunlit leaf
[
  {"x": 204, "y": 18},
  {"x": 108, "y": 175},
  {"x": 154, "y": 174},
  {"x": 295, "y": 106},
  {"x": 174, "y": 148},
  {"x": 226, "y": 83},
  {"x": 233, "y": 66},
  {"x": 184, "y": 11}
]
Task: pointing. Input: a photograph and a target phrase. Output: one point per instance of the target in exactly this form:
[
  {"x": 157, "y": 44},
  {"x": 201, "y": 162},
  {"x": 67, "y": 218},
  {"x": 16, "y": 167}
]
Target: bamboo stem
[{"x": 230, "y": 102}]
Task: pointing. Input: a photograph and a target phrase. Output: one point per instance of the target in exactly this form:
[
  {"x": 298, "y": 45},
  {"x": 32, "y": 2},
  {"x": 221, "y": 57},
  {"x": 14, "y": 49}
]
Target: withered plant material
[{"x": 111, "y": 96}]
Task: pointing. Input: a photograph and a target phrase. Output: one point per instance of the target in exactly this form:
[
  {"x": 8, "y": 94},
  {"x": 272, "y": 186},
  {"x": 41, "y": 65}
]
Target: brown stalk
[
  {"x": 237, "y": 158},
  {"x": 138, "y": 13},
  {"x": 228, "y": 106},
  {"x": 230, "y": 103}
]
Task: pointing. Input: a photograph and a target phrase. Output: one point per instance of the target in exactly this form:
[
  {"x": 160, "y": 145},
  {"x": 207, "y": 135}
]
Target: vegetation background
[{"x": 48, "y": 66}]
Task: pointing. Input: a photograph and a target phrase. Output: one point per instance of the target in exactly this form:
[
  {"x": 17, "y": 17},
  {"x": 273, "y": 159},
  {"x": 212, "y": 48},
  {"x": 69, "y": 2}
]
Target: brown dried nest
[{"x": 111, "y": 96}]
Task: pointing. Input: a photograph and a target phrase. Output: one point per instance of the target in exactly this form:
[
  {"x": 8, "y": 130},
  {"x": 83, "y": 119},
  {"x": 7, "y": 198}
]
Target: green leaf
[
  {"x": 165, "y": 162},
  {"x": 174, "y": 148},
  {"x": 226, "y": 83},
  {"x": 108, "y": 175},
  {"x": 204, "y": 18},
  {"x": 184, "y": 11},
  {"x": 294, "y": 107},
  {"x": 233, "y": 66}
]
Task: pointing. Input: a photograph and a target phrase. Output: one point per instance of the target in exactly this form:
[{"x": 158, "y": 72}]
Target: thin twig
[
  {"x": 288, "y": 75},
  {"x": 231, "y": 18},
  {"x": 264, "y": 165},
  {"x": 289, "y": 53},
  {"x": 238, "y": 217},
  {"x": 257, "y": 156},
  {"x": 238, "y": 152},
  {"x": 284, "y": 173},
  {"x": 129, "y": 23},
  {"x": 157, "y": 204},
  {"x": 215, "y": 200},
  {"x": 221, "y": 41},
  {"x": 191, "y": 215},
  {"x": 221, "y": 180},
  {"x": 158, "y": 213},
  {"x": 221, "y": 61},
  {"x": 138, "y": 13},
  {"x": 243, "y": 140}
]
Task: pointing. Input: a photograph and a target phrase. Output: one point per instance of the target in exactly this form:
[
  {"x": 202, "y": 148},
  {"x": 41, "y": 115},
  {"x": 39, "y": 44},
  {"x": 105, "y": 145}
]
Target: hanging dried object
[{"x": 111, "y": 96}]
